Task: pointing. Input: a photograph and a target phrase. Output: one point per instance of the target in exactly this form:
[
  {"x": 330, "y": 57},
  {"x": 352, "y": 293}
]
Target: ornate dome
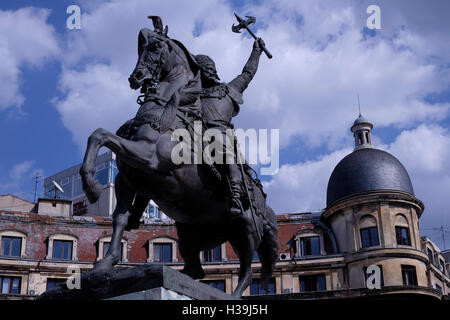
[{"x": 366, "y": 169}]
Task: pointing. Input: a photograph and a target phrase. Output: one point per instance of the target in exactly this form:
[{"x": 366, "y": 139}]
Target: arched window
[
  {"x": 103, "y": 246},
  {"x": 162, "y": 249},
  {"x": 13, "y": 243},
  {"x": 366, "y": 133},
  {"x": 368, "y": 231},
  {"x": 62, "y": 247},
  {"x": 402, "y": 230}
]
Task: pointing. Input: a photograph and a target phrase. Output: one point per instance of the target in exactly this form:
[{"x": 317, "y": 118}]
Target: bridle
[{"x": 149, "y": 88}]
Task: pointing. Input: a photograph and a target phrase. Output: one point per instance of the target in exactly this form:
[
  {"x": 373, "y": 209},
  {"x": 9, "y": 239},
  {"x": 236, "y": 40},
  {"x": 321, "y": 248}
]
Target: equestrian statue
[{"x": 211, "y": 203}]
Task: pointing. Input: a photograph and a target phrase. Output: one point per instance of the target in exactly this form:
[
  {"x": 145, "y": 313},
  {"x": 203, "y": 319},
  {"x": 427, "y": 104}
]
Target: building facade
[{"x": 365, "y": 243}]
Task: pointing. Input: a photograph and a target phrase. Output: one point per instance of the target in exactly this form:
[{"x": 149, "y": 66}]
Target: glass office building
[{"x": 106, "y": 172}]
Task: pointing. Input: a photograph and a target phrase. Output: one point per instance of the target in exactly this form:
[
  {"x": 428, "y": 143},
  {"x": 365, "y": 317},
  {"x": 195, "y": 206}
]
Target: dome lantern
[{"x": 362, "y": 131}]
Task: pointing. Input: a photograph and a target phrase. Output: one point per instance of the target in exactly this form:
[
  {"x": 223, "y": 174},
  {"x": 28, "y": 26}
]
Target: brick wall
[{"x": 88, "y": 230}]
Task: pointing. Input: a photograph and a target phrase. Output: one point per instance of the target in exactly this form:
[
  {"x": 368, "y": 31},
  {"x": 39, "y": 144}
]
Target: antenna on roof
[
  {"x": 359, "y": 106},
  {"x": 37, "y": 178}
]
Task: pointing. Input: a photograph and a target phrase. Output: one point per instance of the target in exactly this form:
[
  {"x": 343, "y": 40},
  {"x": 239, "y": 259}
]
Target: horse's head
[{"x": 153, "y": 50}]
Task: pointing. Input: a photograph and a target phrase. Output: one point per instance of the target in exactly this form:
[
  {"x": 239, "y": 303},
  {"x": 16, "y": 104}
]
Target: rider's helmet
[{"x": 208, "y": 68}]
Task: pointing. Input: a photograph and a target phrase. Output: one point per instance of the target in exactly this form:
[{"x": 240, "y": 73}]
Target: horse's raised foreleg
[
  {"x": 121, "y": 214},
  {"x": 91, "y": 187},
  {"x": 139, "y": 153},
  {"x": 243, "y": 244}
]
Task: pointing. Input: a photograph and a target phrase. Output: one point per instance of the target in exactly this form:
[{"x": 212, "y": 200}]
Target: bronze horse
[{"x": 187, "y": 193}]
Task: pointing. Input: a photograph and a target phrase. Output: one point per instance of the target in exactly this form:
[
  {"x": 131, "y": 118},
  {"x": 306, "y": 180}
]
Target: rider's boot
[{"x": 236, "y": 209}]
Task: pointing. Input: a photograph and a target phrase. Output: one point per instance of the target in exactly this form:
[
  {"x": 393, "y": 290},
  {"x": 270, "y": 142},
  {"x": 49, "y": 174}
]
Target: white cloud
[
  {"x": 315, "y": 82},
  {"x": 426, "y": 149},
  {"x": 18, "y": 170},
  {"x": 25, "y": 39},
  {"x": 425, "y": 153},
  {"x": 19, "y": 174},
  {"x": 308, "y": 89},
  {"x": 302, "y": 187},
  {"x": 97, "y": 97}
]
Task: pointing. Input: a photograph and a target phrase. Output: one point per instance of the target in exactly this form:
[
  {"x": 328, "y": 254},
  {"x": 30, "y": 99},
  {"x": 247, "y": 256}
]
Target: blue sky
[{"x": 58, "y": 85}]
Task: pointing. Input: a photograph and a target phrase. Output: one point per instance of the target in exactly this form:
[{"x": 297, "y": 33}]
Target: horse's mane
[{"x": 190, "y": 58}]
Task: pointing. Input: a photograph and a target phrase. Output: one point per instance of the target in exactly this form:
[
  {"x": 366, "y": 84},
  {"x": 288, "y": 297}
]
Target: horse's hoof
[
  {"x": 102, "y": 266},
  {"x": 194, "y": 274},
  {"x": 106, "y": 264}
]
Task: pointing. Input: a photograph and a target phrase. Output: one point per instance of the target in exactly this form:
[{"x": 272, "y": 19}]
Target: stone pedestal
[
  {"x": 147, "y": 282},
  {"x": 153, "y": 294}
]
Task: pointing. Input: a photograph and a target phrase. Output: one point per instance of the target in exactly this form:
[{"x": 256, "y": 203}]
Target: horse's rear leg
[
  {"x": 244, "y": 245},
  {"x": 120, "y": 221},
  {"x": 137, "y": 209},
  {"x": 138, "y": 154},
  {"x": 188, "y": 246}
]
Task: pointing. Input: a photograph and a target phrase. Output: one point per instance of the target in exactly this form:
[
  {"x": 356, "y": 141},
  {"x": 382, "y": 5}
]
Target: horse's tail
[{"x": 268, "y": 248}]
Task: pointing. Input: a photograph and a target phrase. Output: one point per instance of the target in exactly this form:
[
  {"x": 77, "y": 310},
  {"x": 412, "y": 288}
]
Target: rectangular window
[
  {"x": 442, "y": 265},
  {"x": 64, "y": 181},
  {"x": 369, "y": 237},
  {"x": 162, "y": 252},
  {"x": 107, "y": 245},
  {"x": 114, "y": 171},
  {"x": 53, "y": 282},
  {"x": 256, "y": 287},
  {"x": 310, "y": 246},
  {"x": 10, "y": 285},
  {"x": 218, "y": 284},
  {"x": 313, "y": 283},
  {"x": 409, "y": 275},
  {"x": 77, "y": 186},
  {"x": 102, "y": 176},
  {"x": 11, "y": 246},
  {"x": 62, "y": 249},
  {"x": 430, "y": 255},
  {"x": 402, "y": 234},
  {"x": 153, "y": 211},
  {"x": 213, "y": 255}
]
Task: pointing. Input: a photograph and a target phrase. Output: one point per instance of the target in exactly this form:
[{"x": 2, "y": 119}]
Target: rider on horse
[{"x": 220, "y": 102}]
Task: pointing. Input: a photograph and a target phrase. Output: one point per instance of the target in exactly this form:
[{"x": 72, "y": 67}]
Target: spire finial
[{"x": 359, "y": 106}]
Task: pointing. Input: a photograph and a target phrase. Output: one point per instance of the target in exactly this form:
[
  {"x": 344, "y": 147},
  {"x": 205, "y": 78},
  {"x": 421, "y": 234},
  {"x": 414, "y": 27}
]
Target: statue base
[{"x": 146, "y": 282}]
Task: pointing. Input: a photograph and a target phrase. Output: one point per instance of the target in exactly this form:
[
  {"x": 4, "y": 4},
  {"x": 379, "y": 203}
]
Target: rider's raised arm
[{"x": 240, "y": 83}]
